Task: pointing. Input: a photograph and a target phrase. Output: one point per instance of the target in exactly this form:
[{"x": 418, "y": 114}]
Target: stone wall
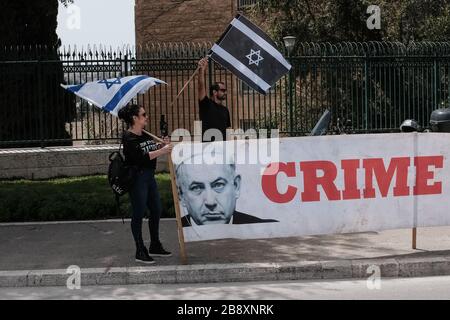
[
  {"x": 59, "y": 162},
  {"x": 182, "y": 20}
]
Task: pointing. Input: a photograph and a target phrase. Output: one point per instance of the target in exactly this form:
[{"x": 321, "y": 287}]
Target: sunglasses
[{"x": 143, "y": 114}]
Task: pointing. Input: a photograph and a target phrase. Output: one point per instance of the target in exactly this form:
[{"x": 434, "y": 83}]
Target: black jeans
[{"x": 144, "y": 195}]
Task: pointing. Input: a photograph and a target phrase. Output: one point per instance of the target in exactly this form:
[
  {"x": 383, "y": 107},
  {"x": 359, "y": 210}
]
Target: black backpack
[{"x": 120, "y": 176}]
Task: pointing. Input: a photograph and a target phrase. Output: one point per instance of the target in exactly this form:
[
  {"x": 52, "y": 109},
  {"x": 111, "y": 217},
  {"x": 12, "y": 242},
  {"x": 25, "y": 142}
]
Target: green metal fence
[{"x": 375, "y": 85}]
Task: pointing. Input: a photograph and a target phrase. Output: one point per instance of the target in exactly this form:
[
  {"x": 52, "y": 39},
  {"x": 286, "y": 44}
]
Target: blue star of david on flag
[
  {"x": 111, "y": 95},
  {"x": 258, "y": 57},
  {"x": 109, "y": 84}
]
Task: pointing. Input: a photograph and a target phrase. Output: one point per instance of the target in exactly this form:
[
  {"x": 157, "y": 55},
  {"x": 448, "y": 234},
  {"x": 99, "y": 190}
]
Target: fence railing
[
  {"x": 244, "y": 4},
  {"x": 376, "y": 85}
]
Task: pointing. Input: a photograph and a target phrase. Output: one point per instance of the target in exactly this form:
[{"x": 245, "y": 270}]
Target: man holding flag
[
  {"x": 250, "y": 54},
  {"x": 213, "y": 114}
]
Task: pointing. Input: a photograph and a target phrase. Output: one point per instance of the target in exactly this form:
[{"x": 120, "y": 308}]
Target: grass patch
[{"x": 81, "y": 198}]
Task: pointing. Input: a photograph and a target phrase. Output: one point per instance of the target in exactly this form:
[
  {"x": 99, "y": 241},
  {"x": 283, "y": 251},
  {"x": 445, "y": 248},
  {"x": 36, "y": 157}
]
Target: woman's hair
[{"x": 126, "y": 113}]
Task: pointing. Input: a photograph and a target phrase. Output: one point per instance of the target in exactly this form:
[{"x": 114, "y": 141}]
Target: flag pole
[
  {"x": 177, "y": 212},
  {"x": 153, "y": 136},
  {"x": 186, "y": 84},
  {"x": 175, "y": 202},
  {"x": 184, "y": 87}
]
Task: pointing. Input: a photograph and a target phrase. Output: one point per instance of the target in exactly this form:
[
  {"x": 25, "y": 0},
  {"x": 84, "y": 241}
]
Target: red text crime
[{"x": 374, "y": 169}]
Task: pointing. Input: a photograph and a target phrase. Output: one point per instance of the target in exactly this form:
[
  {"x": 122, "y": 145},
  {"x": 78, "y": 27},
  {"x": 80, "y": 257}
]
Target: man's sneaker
[
  {"x": 156, "y": 249},
  {"x": 143, "y": 257}
]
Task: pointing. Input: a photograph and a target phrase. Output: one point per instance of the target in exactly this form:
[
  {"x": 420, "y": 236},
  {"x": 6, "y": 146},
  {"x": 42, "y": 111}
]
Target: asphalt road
[{"x": 434, "y": 288}]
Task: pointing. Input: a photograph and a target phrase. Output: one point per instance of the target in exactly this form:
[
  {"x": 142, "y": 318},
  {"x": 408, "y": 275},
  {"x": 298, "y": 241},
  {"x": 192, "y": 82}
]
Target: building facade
[{"x": 182, "y": 20}]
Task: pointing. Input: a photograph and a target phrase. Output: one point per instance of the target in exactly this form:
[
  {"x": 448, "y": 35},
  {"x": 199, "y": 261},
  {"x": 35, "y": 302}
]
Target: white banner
[{"x": 313, "y": 185}]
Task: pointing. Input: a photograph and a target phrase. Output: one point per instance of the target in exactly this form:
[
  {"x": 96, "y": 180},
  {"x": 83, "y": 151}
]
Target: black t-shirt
[
  {"x": 136, "y": 149},
  {"x": 215, "y": 116}
]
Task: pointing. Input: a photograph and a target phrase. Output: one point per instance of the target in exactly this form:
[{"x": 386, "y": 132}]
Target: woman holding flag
[{"x": 141, "y": 151}]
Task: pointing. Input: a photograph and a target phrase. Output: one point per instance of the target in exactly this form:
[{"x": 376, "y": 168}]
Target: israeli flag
[
  {"x": 111, "y": 95},
  {"x": 250, "y": 54}
]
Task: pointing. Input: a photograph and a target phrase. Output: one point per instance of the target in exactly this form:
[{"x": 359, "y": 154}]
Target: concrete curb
[{"x": 390, "y": 267}]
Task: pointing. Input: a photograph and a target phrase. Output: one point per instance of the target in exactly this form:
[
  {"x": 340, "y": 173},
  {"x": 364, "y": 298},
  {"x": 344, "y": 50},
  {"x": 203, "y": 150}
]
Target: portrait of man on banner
[{"x": 208, "y": 193}]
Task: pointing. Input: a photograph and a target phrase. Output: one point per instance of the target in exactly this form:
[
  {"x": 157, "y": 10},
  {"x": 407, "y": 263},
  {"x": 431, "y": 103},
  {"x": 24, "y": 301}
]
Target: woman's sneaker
[
  {"x": 156, "y": 249},
  {"x": 143, "y": 257}
]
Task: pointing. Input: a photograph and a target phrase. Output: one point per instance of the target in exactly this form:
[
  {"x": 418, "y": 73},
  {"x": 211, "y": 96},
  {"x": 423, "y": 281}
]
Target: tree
[
  {"x": 334, "y": 21},
  {"x": 345, "y": 20},
  {"x": 29, "y": 22},
  {"x": 33, "y": 106}
]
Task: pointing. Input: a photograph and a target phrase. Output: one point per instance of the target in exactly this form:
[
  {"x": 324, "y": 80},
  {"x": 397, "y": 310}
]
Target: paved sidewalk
[{"x": 39, "y": 254}]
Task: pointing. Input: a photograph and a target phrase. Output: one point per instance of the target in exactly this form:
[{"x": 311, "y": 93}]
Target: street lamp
[{"x": 289, "y": 43}]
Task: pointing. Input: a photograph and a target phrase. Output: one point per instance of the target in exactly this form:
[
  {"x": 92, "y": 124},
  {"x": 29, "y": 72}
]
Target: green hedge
[{"x": 83, "y": 198}]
